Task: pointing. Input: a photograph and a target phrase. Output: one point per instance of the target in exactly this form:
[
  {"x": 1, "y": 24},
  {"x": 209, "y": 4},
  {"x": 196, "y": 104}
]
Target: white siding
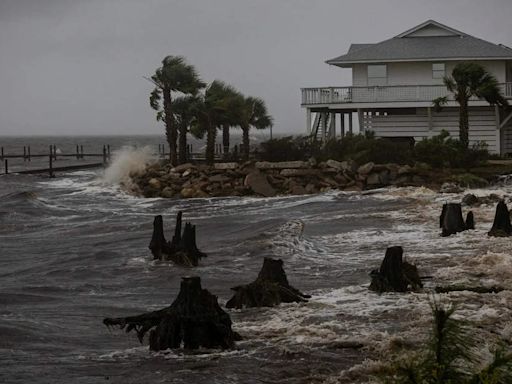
[
  {"x": 420, "y": 73},
  {"x": 507, "y": 138},
  {"x": 482, "y": 124},
  {"x": 359, "y": 75}
]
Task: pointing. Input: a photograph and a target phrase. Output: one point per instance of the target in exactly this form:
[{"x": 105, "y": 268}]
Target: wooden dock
[
  {"x": 22, "y": 163},
  {"x": 50, "y": 167}
]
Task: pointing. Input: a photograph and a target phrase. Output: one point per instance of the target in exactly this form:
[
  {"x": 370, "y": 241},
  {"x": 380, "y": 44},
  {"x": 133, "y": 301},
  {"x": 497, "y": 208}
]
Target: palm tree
[
  {"x": 184, "y": 110},
  {"x": 253, "y": 113},
  {"x": 175, "y": 75},
  {"x": 216, "y": 109},
  {"x": 470, "y": 80},
  {"x": 231, "y": 117}
]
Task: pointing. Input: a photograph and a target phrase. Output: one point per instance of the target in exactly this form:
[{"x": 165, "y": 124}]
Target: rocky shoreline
[{"x": 270, "y": 179}]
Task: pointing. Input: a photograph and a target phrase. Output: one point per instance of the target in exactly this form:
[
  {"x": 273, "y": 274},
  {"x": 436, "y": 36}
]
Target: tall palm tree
[
  {"x": 253, "y": 113},
  {"x": 470, "y": 80},
  {"x": 175, "y": 75},
  {"x": 184, "y": 110},
  {"x": 231, "y": 117},
  {"x": 215, "y": 110}
]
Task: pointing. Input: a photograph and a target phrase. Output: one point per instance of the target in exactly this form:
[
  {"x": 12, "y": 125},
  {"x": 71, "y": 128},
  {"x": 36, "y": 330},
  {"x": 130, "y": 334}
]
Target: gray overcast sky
[{"x": 77, "y": 67}]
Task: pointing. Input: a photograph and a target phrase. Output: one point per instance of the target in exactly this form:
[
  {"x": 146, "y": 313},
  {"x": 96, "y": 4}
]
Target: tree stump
[
  {"x": 451, "y": 220},
  {"x": 193, "y": 320},
  {"x": 182, "y": 249},
  {"x": 501, "y": 226},
  {"x": 394, "y": 274},
  {"x": 270, "y": 288}
]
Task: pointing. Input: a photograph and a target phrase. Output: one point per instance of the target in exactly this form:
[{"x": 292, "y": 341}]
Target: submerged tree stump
[
  {"x": 270, "y": 288},
  {"x": 451, "y": 220},
  {"x": 182, "y": 249},
  {"x": 501, "y": 226},
  {"x": 394, "y": 274},
  {"x": 193, "y": 320}
]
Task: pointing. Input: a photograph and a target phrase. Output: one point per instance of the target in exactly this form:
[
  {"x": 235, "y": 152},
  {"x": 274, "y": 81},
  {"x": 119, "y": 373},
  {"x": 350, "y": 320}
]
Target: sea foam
[{"x": 127, "y": 161}]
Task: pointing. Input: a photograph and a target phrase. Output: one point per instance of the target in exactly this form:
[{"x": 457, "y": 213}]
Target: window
[
  {"x": 438, "y": 70},
  {"x": 377, "y": 74}
]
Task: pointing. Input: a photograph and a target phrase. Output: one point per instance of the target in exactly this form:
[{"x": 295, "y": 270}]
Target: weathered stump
[
  {"x": 182, "y": 249},
  {"x": 501, "y": 226},
  {"x": 394, "y": 274},
  {"x": 451, "y": 220},
  {"x": 470, "y": 221},
  {"x": 270, "y": 288},
  {"x": 193, "y": 320}
]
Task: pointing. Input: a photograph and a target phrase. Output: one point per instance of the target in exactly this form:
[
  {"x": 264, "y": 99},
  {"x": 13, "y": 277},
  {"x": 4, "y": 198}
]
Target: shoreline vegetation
[{"x": 300, "y": 166}]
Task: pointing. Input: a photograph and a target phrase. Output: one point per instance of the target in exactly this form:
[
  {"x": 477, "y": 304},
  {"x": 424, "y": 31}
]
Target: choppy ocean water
[{"x": 73, "y": 250}]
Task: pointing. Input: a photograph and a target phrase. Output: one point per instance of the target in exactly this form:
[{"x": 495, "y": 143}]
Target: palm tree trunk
[
  {"x": 245, "y": 142},
  {"x": 225, "y": 140},
  {"x": 210, "y": 144},
  {"x": 464, "y": 123},
  {"x": 170, "y": 128},
  {"x": 182, "y": 143}
]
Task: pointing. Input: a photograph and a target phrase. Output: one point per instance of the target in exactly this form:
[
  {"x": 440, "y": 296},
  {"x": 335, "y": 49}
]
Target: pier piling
[{"x": 50, "y": 163}]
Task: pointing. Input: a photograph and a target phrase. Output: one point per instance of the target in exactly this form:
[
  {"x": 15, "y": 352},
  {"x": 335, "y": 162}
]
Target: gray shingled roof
[{"x": 423, "y": 48}]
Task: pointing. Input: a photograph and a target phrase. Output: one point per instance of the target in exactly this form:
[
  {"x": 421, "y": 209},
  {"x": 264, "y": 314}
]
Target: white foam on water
[{"x": 127, "y": 161}]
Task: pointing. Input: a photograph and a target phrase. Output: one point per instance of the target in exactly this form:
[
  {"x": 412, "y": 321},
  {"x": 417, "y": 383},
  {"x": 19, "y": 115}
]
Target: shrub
[
  {"x": 361, "y": 148},
  {"x": 449, "y": 357},
  {"x": 438, "y": 151},
  {"x": 289, "y": 148},
  {"x": 445, "y": 151}
]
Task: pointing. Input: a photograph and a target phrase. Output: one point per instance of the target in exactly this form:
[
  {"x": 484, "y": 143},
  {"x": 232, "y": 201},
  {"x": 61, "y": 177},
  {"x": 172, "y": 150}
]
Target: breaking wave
[{"x": 126, "y": 162}]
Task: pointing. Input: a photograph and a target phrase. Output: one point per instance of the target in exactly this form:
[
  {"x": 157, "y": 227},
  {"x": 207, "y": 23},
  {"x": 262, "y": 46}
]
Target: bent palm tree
[
  {"x": 253, "y": 113},
  {"x": 215, "y": 109},
  {"x": 175, "y": 75},
  {"x": 470, "y": 80},
  {"x": 184, "y": 108}
]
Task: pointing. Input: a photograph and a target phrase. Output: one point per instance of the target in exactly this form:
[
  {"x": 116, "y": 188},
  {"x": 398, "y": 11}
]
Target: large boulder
[
  {"x": 219, "y": 179},
  {"x": 366, "y": 168},
  {"x": 259, "y": 184},
  {"x": 225, "y": 166},
  {"x": 281, "y": 164},
  {"x": 183, "y": 167},
  {"x": 373, "y": 179},
  {"x": 450, "y": 188},
  {"x": 297, "y": 172},
  {"x": 187, "y": 192},
  {"x": 154, "y": 183}
]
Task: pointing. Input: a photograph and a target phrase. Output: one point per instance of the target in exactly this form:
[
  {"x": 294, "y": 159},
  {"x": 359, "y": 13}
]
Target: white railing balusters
[{"x": 337, "y": 95}]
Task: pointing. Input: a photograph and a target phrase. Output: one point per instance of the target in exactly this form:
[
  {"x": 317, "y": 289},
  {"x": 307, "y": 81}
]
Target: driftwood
[
  {"x": 501, "y": 226},
  {"x": 182, "y": 249},
  {"x": 451, "y": 220},
  {"x": 270, "y": 288},
  {"x": 476, "y": 289},
  {"x": 193, "y": 320},
  {"x": 394, "y": 274}
]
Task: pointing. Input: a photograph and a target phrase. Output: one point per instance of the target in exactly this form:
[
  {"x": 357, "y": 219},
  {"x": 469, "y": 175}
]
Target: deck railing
[{"x": 379, "y": 94}]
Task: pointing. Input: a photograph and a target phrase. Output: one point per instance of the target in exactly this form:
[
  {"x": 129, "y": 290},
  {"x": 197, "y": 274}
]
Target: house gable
[{"x": 431, "y": 28}]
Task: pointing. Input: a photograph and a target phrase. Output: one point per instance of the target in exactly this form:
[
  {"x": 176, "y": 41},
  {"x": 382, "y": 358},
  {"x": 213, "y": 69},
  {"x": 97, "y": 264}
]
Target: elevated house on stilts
[{"x": 394, "y": 82}]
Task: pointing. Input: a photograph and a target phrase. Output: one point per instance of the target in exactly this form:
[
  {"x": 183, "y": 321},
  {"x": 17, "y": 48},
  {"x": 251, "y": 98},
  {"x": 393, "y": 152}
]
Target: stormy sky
[{"x": 76, "y": 66}]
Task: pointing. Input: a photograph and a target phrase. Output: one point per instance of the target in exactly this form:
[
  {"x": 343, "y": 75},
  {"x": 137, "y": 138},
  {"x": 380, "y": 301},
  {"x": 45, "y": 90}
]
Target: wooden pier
[
  {"x": 11, "y": 162},
  {"x": 53, "y": 157}
]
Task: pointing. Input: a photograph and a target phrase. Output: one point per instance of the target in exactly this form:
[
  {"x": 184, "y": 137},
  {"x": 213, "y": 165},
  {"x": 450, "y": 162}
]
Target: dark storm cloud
[{"x": 77, "y": 67}]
